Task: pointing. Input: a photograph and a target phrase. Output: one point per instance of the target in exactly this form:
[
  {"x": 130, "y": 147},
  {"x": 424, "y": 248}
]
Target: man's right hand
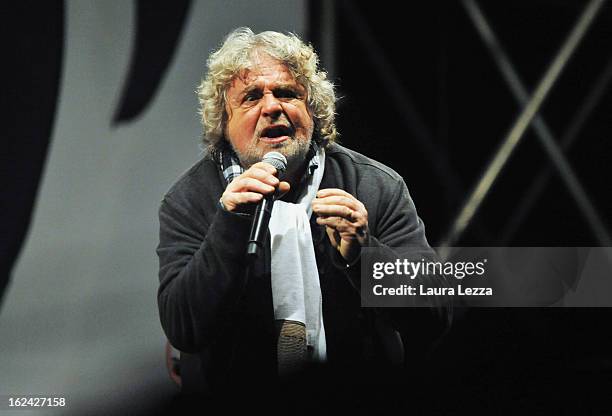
[{"x": 251, "y": 186}]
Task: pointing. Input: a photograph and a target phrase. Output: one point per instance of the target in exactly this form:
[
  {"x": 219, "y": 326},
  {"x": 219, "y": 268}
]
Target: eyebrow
[{"x": 280, "y": 86}]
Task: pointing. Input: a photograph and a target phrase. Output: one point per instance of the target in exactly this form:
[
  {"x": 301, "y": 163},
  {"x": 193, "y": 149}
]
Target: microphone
[{"x": 263, "y": 211}]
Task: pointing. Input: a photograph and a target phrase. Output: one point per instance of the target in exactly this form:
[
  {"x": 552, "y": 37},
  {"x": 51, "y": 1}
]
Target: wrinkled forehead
[{"x": 261, "y": 66}]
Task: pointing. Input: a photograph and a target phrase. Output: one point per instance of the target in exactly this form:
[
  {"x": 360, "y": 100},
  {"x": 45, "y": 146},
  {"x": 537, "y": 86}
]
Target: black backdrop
[
  {"x": 465, "y": 107},
  {"x": 520, "y": 359}
]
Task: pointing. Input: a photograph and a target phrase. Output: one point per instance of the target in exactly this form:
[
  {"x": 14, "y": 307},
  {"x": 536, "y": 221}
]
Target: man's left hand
[{"x": 345, "y": 219}]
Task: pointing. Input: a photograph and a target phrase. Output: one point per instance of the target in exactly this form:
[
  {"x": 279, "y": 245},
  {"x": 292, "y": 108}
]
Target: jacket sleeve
[
  {"x": 398, "y": 233},
  {"x": 201, "y": 272}
]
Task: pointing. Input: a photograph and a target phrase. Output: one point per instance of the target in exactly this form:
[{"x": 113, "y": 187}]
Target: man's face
[{"x": 267, "y": 111}]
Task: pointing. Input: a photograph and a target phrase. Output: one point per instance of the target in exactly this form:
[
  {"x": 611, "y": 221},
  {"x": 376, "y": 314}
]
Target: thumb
[{"x": 283, "y": 188}]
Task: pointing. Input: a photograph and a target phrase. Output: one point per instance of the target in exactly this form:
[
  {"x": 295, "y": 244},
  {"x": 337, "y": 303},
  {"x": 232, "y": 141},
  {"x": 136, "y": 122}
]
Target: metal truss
[
  {"x": 529, "y": 116},
  {"x": 411, "y": 117}
]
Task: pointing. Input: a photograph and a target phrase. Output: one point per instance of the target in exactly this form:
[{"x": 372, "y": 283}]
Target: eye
[
  {"x": 251, "y": 96},
  {"x": 285, "y": 93}
]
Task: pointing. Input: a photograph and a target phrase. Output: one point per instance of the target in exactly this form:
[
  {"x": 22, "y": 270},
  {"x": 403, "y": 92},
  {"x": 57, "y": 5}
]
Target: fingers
[
  {"x": 258, "y": 178},
  {"x": 351, "y": 202},
  {"x": 251, "y": 185},
  {"x": 355, "y": 225},
  {"x": 262, "y": 175},
  {"x": 264, "y": 166},
  {"x": 339, "y": 203},
  {"x": 339, "y": 224},
  {"x": 322, "y": 193},
  {"x": 283, "y": 188},
  {"x": 241, "y": 198},
  {"x": 345, "y": 219},
  {"x": 340, "y": 211}
]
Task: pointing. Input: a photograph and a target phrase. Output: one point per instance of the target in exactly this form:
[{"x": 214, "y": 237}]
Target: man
[{"x": 298, "y": 306}]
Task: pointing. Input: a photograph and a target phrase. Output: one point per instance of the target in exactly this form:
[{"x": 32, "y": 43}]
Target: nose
[{"x": 271, "y": 106}]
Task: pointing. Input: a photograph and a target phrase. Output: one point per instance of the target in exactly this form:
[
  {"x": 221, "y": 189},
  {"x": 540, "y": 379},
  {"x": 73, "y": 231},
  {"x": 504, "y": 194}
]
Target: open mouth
[{"x": 277, "y": 133}]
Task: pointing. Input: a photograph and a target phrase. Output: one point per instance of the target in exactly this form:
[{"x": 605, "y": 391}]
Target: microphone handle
[{"x": 259, "y": 228}]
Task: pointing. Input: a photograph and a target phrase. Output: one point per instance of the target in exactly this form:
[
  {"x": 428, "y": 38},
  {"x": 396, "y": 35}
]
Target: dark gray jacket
[{"x": 221, "y": 317}]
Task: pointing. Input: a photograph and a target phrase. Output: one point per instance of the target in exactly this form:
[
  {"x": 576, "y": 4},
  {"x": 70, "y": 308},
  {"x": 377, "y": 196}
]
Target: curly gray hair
[{"x": 235, "y": 55}]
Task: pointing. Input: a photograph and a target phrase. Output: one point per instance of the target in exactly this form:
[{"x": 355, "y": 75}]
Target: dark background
[
  {"x": 466, "y": 108},
  {"x": 518, "y": 360}
]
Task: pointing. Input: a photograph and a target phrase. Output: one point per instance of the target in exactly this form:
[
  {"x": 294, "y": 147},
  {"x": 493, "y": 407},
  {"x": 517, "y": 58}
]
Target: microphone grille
[{"x": 276, "y": 159}]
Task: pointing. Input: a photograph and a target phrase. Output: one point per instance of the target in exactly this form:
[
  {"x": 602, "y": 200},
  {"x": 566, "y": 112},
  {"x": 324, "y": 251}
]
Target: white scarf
[{"x": 296, "y": 292}]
